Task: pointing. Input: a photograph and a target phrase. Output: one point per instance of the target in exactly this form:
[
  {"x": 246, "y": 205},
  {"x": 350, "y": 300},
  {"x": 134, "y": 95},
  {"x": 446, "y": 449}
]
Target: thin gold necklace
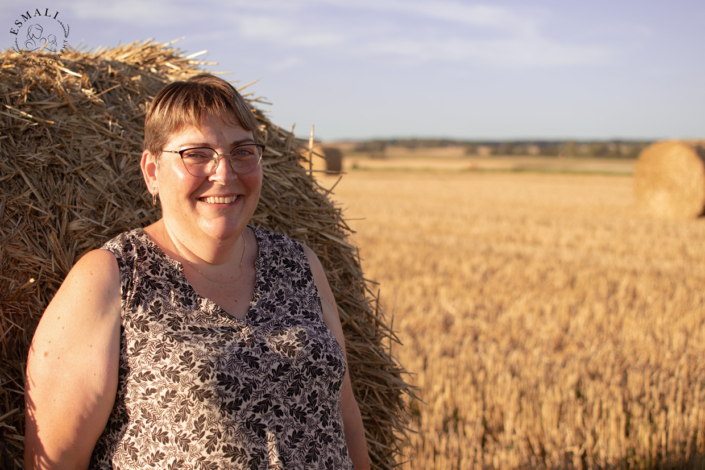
[{"x": 244, "y": 248}]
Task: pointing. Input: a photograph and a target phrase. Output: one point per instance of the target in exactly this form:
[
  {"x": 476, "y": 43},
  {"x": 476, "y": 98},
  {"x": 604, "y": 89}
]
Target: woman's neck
[{"x": 201, "y": 249}]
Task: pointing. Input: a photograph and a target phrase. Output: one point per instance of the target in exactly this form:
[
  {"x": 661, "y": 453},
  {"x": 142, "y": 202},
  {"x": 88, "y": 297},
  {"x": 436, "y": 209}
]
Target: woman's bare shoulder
[
  {"x": 97, "y": 273},
  {"x": 88, "y": 301},
  {"x": 84, "y": 311}
]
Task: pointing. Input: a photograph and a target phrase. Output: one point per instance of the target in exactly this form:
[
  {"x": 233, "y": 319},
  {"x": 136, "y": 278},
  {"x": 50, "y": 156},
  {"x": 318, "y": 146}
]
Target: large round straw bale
[
  {"x": 70, "y": 180},
  {"x": 334, "y": 159},
  {"x": 669, "y": 180}
]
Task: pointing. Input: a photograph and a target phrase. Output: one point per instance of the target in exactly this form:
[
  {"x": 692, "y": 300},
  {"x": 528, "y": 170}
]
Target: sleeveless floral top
[{"x": 200, "y": 389}]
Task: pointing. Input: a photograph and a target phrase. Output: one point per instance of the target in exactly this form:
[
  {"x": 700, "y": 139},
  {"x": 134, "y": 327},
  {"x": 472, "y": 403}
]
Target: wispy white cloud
[
  {"x": 532, "y": 51},
  {"x": 154, "y": 12},
  {"x": 475, "y": 15},
  {"x": 488, "y": 33},
  {"x": 286, "y": 64},
  {"x": 453, "y": 31},
  {"x": 283, "y": 31}
]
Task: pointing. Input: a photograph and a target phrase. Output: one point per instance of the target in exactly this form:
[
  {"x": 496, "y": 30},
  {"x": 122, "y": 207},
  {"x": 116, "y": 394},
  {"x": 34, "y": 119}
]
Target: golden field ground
[{"x": 545, "y": 322}]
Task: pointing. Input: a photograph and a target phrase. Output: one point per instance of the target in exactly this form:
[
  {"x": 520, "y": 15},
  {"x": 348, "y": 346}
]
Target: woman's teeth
[{"x": 219, "y": 200}]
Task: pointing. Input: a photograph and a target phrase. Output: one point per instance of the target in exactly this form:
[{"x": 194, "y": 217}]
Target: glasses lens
[
  {"x": 245, "y": 158},
  {"x": 200, "y": 161}
]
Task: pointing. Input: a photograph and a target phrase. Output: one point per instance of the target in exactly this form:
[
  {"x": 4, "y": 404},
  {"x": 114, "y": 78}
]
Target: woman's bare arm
[
  {"x": 352, "y": 419},
  {"x": 72, "y": 367}
]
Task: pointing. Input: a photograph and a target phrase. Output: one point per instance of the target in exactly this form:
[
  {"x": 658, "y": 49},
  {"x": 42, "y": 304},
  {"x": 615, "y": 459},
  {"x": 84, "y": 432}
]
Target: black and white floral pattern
[{"x": 199, "y": 389}]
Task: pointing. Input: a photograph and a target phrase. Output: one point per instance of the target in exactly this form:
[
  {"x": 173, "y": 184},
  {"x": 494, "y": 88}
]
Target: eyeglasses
[{"x": 203, "y": 161}]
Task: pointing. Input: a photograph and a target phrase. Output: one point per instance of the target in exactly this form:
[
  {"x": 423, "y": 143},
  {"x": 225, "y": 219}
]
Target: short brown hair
[{"x": 187, "y": 103}]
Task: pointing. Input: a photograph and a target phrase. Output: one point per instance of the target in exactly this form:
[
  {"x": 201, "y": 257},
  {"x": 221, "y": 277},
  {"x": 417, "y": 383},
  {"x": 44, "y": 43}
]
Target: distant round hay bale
[
  {"x": 669, "y": 180},
  {"x": 334, "y": 159}
]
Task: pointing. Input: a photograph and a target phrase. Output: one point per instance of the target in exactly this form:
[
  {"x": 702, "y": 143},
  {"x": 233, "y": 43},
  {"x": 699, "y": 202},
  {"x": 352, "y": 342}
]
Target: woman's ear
[{"x": 149, "y": 165}]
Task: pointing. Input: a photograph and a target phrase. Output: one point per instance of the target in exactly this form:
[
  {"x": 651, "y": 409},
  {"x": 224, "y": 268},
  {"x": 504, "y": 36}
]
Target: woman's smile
[{"x": 219, "y": 199}]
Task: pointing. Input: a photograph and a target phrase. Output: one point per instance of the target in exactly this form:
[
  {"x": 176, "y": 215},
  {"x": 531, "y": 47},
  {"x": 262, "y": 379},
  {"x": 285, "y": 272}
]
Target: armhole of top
[
  {"x": 307, "y": 266},
  {"x": 124, "y": 280}
]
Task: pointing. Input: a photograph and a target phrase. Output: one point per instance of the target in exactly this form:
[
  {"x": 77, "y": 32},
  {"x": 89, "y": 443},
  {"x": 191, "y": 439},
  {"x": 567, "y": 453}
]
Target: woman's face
[{"x": 189, "y": 204}]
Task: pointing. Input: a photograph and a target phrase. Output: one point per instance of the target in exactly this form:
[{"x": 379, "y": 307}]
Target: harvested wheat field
[{"x": 547, "y": 323}]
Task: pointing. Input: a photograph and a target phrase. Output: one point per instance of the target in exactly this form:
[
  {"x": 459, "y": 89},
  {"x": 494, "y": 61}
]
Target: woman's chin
[{"x": 222, "y": 230}]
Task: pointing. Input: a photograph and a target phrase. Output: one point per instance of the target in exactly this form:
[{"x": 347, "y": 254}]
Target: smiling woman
[
  {"x": 194, "y": 207},
  {"x": 198, "y": 339}
]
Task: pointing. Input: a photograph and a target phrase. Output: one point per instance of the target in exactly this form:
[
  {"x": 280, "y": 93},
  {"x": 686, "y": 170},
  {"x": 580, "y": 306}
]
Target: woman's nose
[{"x": 223, "y": 171}]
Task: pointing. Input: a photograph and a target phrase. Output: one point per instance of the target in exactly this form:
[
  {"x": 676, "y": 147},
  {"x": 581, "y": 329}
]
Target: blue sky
[{"x": 459, "y": 69}]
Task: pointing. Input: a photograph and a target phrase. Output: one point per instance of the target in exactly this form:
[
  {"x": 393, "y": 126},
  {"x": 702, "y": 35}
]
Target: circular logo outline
[{"x": 40, "y": 33}]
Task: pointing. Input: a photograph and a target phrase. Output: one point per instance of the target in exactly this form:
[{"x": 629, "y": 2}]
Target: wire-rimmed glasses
[{"x": 203, "y": 161}]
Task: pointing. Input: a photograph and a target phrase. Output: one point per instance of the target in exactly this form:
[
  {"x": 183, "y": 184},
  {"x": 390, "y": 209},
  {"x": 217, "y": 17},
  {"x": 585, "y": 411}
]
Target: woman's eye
[
  {"x": 243, "y": 152},
  {"x": 197, "y": 154}
]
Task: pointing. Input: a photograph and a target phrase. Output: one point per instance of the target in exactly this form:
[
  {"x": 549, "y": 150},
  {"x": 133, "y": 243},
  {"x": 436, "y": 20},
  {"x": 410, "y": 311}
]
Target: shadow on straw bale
[
  {"x": 669, "y": 180},
  {"x": 70, "y": 180}
]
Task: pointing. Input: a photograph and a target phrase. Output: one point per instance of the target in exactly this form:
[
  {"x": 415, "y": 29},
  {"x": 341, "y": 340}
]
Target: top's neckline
[{"x": 251, "y": 311}]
